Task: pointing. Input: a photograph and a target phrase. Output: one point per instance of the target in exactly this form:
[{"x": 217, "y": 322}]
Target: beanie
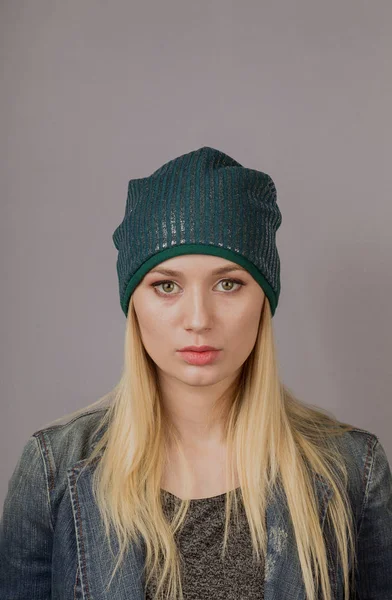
[{"x": 202, "y": 202}]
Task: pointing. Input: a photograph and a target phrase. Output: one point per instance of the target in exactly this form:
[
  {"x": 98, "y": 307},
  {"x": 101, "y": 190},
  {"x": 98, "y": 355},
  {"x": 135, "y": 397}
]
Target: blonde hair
[{"x": 269, "y": 434}]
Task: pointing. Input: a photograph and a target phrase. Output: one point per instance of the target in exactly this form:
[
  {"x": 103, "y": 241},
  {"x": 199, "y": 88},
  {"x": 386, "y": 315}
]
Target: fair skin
[{"x": 196, "y": 307}]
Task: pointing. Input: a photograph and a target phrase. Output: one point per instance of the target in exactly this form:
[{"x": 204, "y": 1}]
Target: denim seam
[
  {"x": 367, "y": 474},
  {"x": 79, "y": 529},
  {"x": 60, "y": 425},
  {"x": 46, "y": 461},
  {"x": 77, "y": 582}
]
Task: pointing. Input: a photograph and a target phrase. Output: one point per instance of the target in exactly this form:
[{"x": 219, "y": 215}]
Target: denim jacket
[{"x": 53, "y": 545}]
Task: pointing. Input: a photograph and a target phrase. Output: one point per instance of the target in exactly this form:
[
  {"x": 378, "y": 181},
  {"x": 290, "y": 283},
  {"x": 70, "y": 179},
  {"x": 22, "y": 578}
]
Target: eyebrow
[{"x": 219, "y": 271}]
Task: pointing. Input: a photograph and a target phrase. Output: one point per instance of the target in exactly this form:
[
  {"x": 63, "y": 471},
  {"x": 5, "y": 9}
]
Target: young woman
[{"x": 200, "y": 475}]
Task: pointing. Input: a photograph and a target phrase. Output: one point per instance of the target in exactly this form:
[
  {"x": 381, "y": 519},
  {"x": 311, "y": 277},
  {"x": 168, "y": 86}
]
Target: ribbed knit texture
[{"x": 202, "y": 202}]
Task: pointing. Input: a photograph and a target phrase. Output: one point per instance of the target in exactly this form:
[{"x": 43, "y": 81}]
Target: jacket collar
[
  {"x": 98, "y": 434},
  {"x": 283, "y": 577}
]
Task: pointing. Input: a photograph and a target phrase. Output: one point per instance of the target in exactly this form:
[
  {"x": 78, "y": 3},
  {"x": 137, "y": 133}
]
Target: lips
[{"x": 199, "y": 358}]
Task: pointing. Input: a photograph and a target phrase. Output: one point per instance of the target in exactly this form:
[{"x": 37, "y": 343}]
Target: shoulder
[
  {"x": 71, "y": 438},
  {"x": 374, "y": 512},
  {"x": 66, "y": 441},
  {"x": 358, "y": 443},
  {"x": 357, "y": 447},
  {"x": 39, "y": 479},
  {"x": 366, "y": 464}
]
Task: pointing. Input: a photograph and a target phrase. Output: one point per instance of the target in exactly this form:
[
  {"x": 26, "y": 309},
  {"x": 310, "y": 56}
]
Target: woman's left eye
[
  {"x": 237, "y": 281},
  {"x": 159, "y": 283}
]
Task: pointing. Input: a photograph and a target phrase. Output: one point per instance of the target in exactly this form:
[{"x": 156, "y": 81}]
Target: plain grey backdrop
[{"x": 95, "y": 93}]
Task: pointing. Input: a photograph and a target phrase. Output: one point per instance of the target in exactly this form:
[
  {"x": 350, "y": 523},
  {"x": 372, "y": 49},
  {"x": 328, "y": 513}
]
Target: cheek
[
  {"x": 149, "y": 319},
  {"x": 243, "y": 330},
  {"x": 155, "y": 332},
  {"x": 247, "y": 318},
  {"x": 154, "y": 340}
]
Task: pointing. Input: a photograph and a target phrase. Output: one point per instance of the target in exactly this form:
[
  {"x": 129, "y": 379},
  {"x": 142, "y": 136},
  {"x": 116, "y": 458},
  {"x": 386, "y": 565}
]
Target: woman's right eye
[{"x": 158, "y": 283}]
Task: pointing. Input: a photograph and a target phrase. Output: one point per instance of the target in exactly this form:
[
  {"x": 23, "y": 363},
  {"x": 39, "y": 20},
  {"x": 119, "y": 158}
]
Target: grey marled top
[{"x": 199, "y": 542}]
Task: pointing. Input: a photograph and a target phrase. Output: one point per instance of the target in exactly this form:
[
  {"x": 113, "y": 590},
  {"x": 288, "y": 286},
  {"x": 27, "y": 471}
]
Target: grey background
[{"x": 95, "y": 93}]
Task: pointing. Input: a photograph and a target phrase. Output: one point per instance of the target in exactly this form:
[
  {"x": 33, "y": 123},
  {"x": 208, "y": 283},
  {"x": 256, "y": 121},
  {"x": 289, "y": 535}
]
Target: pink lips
[{"x": 200, "y": 357}]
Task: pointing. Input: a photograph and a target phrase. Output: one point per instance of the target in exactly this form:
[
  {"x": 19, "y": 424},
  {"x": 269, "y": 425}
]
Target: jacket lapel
[
  {"x": 95, "y": 560},
  {"x": 283, "y": 577}
]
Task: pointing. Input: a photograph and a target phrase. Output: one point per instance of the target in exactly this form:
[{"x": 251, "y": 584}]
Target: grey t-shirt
[{"x": 200, "y": 542}]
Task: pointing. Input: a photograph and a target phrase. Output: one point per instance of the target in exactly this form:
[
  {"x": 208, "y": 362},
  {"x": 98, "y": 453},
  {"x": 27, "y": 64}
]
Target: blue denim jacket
[{"x": 53, "y": 546}]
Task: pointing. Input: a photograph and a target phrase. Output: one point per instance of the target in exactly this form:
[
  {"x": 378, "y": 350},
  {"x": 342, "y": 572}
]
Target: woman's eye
[
  {"x": 165, "y": 283},
  {"x": 168, "y": 283},
  {"x": 231, "y": 281}
]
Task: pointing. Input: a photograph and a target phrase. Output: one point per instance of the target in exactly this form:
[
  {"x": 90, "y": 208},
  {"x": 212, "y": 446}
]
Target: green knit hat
[{"x": 203, "y": 202}]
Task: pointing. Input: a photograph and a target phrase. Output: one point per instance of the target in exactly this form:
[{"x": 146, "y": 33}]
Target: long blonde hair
[{"x": 268, "y": 432}]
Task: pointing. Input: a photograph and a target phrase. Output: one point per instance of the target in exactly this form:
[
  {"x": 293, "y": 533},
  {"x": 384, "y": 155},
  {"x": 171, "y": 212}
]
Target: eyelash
[{"x": 157, "y": 283}]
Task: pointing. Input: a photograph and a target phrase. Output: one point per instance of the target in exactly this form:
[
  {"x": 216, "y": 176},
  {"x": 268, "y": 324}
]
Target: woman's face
[{"x": 198, "y": 306}]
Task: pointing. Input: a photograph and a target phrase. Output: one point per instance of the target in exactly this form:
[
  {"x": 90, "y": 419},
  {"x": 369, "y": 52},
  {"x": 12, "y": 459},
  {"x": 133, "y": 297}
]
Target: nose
[{"x": 198, "y": 311}]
